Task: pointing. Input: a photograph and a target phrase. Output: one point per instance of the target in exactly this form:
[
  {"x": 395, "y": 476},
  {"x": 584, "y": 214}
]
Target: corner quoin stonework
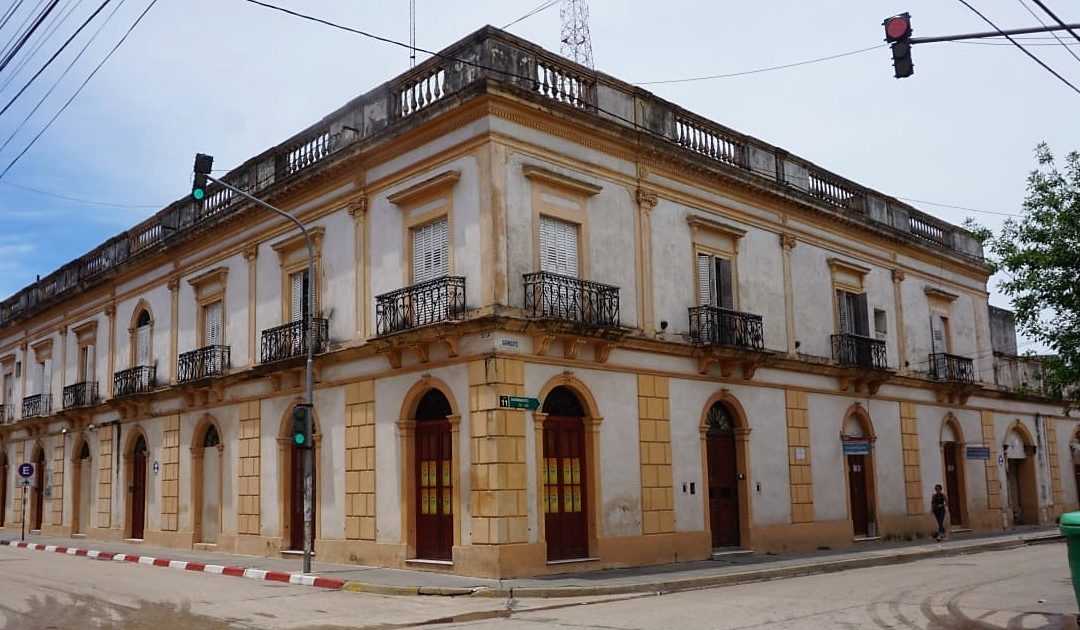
[
  {"x": 802, "y": 481},
  {"x": 360, "y": 460},
  {"x": 657, "y": 495}
]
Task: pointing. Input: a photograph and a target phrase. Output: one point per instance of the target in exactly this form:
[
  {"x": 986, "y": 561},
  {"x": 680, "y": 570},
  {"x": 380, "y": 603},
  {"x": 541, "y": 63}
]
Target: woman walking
[{"x": 937, "y": 506}]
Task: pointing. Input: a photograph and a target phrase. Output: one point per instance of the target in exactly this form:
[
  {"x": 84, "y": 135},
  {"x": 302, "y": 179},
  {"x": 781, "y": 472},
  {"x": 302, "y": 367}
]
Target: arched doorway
[
  {"x": 857, "y": 442},
  {"x": 952, "y": 457},
  {"x": 38, "y": 515},
  {"x": 81, "y": 484},
  {"x": 3, "y": 487},
  {"x": 566, "y": 523},
  {"x": 1019, "y": 451},
  {"x": 206, "y": 460},
  {"x": 293, "y": 462},
  {"x": 137, "y": 488},
  {"x": 434, "y": 477},
  {"x": 723, "y": 473}
]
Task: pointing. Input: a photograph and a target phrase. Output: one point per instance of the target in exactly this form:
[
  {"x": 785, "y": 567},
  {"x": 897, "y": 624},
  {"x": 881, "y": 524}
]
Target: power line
[
  {"x": 1039, "y": 20},
  {"x": 20, "y": 41},
  {"x": 80, "y": 88},
  {"x": 768, "y": 69},
  {"x": 945, "y": 205},
  {"x": 1017, "y": 44},
  {"x": 78, "y": 199},
  {"x": 542, "y": 7},
  {"x": 1056, "y": 18}
]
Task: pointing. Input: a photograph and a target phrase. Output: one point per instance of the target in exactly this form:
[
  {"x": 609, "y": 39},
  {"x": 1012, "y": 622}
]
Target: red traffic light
[{"x": 897, "y": 27}]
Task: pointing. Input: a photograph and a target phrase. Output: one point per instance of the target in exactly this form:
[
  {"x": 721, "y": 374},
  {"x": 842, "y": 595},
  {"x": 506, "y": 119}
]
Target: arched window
[
  {"x": 142, "y": 338},
  {"x": 211, "y": 438},
  {"x": 563, "y": 402},
  {"x": 720, "y": 421},
  {"x": 84, "y": 453},
  {"x": 433, "y": 406}
]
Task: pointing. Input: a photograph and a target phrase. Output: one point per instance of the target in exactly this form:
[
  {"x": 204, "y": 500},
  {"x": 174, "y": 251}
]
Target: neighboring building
[{"x": 731, "y": 346}]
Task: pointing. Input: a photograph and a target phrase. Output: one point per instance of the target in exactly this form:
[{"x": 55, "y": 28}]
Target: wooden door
[
  {"x": 296, "y": 497},
  {"x": 1016, "y": 499},
  {"x": 857, "y": 493},
  {"x": 952, "y": 483},
  {"x": 566, "y": 525},
  {"x": 39, "y": 493},
  {"x": 434, "y": 490},
  {"x": 723, "y": 489},
  {"x": 138, "y": 491}
]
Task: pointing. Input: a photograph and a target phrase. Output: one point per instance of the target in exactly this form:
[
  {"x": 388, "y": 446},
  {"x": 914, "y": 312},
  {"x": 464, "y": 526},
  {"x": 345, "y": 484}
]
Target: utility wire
[
  {"x": 25, "y": 23},
  {"x": 1017, "y": 44},
  {"x": 79, "y": 89},
  {"x": 54, "y": 25},
  {"x": 78, "y": 199},
  {"x": 770, "y": 68},
  {"x": 945, "y": 205},
  {"x": 1039, "y": 20},
  {"x": 21, "y": 40},
  {"x": 1056, "y": 18},
  {"x": 543, "y": 7}
]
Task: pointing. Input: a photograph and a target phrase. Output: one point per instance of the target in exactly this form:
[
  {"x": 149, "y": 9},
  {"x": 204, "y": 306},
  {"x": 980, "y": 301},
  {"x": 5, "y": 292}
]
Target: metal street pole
[
  {"x": 309, "y": 379},
  {"x": 23, "y": 537},
  {"x": 985, "y": 34}
]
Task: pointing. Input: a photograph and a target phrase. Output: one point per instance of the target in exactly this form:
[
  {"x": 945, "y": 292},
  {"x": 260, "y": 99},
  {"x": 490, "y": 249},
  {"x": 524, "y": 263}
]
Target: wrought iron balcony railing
[
  {"x": 136, "y": 380},
  {"x": 429, "y": 302},
  {"x": 289, "y": 340},
  {"x": 564, "y": 298},
  {"x": 951, "y": 367},
  {"x": 202, "y": 363},
  {"x": 859, "y": 351},
  {"x": 82, "y": 394},
  {"x": 36, "y": 405},
  {"x": 715, "y": 326}
]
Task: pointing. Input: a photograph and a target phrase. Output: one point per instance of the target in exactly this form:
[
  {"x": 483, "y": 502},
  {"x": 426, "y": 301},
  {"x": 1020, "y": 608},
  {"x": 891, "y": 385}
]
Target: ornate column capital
[
  {"x": 173, "y": 284},
  {"x": 250, "y": 252},
  {"x": 647, "y": 199},
  {"x": 788, "y": 241},
  {"x": 898, "y": 275},
  {"x": 358, "y": 207}
]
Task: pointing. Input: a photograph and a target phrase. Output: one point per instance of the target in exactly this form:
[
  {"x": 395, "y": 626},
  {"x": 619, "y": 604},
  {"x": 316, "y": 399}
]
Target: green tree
[{"x": 1039, "y": 255}]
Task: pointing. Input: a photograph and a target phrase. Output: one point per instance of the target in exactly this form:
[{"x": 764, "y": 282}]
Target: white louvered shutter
[
  {"x": 842, "y": 310},
  {"x": 297, "y": 295},
  {"x": 430, "y": 257},
  {"x": 559, "y": 247},
  {"x": 142, "y": 345},
  {"x": 212, "y": 324},
  {"x": 705, "y": 279}
]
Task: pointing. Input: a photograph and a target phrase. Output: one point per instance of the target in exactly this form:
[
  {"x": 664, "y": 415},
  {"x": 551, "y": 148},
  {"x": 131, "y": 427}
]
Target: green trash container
[{"x": 1070, "y": 528}]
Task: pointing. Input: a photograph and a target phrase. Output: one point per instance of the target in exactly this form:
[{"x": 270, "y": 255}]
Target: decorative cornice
[
  {"x": 425, "y": 189},
  {"x": 536, "y": 173},
  {"x": 939, "y": 294},
  {"x": 837, "y": 264},
  {"x": 701, "y": 223}
]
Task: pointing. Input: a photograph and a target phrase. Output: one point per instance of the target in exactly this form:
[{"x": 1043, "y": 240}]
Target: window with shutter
[
  {"x": 9, "y": 387},
  {"x": 430, "y": 258},
  {"x": 298, "y": 301},
  {"x": 46, "y": 376},
  {"x": 142, "y": 345},
  {"x": 854, "y": 318},
  {"x": 559, "y": 247},
  {"x": 716, "y": 286},
  {"x": 212, "y": 333}
]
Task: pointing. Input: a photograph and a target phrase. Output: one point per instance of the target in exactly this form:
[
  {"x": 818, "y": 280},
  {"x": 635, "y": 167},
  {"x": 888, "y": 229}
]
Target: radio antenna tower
[{"x": 576, "y": 42}]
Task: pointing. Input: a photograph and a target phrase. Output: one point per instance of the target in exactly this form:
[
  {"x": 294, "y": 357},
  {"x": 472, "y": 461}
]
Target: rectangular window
[
  {"x": 716, "y": 285},
  {"x": 939, "y": 333},
  {"x": 298, "y": 289},
  {"x": 881, "y": 324},
  {"x": 430, "y": 259},
  {"x": 559, "y": 247},
  {"x": 9, "y": 387},
  {"x": 86, "y": 363},
  {"x": 212, "y": 332},
  {"x": 852, "y": 313},
  {"x": 46, "y": 377}
]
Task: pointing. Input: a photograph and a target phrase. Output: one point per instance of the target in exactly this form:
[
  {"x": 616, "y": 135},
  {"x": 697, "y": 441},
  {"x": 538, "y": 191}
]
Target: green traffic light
[{"x": 198, "y": 194}]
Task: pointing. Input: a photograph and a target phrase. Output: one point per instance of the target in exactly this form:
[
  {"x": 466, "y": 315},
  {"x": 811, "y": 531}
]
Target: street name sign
[
  {"x": 26, "y": 470},
  {"x": 519, "y": 402}
]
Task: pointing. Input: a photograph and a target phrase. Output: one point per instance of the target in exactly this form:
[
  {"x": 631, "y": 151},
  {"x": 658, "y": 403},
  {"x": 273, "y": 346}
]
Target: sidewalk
[{"x": 728, "y": 570}]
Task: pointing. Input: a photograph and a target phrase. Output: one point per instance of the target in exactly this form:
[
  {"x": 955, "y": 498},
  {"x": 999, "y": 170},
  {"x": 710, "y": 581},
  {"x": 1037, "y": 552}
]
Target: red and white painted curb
[{"x": 217, "y": 569}]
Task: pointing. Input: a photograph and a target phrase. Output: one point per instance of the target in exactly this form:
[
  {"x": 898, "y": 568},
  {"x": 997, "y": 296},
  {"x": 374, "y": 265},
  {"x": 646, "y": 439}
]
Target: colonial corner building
[{"x": 729, "y": 346}]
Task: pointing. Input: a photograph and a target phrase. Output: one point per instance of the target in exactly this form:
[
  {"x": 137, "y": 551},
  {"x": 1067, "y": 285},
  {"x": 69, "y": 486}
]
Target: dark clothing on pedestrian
[{"x": 937, "y": 506}]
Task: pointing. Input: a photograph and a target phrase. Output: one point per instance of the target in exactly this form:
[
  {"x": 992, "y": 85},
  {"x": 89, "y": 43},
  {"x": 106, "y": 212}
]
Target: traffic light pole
[
  {"x": 985, "y": 34},
  {"x": 309, "y": 379}
]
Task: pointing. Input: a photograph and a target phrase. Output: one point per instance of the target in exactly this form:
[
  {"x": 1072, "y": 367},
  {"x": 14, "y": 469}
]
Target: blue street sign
[
  {"x": 856, "y": 447},
  {"x": 978, "y": 452},
  {"x": 26, "y": 470}
]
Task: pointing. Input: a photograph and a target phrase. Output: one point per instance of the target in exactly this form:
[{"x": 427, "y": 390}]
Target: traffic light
[
  {"x": 203, "y": 164},
  {"x": 898, "y": 33},
  {"x": 301, "y": 435}
]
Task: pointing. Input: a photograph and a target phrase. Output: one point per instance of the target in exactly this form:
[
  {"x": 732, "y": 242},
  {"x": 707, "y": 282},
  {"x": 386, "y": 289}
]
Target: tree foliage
[{"x": 1039, "y": 255}]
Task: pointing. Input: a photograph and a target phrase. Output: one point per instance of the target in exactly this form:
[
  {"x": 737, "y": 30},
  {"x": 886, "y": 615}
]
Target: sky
[{"x": 231, "y": 78}]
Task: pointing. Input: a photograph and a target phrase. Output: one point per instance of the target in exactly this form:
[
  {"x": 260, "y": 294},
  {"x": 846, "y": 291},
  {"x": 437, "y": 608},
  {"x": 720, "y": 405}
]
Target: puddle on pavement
[{"x": 51, "y": 612}]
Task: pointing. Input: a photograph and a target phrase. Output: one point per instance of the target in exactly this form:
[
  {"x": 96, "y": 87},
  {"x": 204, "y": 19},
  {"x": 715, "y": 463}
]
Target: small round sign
[{"x": 26, "y": 470}]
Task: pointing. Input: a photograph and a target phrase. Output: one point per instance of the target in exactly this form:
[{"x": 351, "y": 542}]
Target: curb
[
  {"x": 901, "y": 556},
  {"x": 299, "y": 579}
]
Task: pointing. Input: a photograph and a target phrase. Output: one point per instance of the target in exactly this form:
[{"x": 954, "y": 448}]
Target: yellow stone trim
[
  {"x": 551, "y": 178},
  {"x": 799, "y": 456}
]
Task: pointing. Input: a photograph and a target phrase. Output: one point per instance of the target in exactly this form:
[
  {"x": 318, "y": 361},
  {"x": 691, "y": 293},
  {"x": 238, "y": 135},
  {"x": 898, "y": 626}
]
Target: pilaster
[
  {"x": 654, "y": 431},
  {"x": 360, "y": 460},
  {"x": 798, "y": 435},
  {"x": 909, "y": 438}
]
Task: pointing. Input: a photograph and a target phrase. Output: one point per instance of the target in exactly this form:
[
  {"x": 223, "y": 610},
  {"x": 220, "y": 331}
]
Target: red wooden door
[
  {"x": 138, "y": 492},
  {"x": 39, "y": 493},
  {"x": 434, "y": 490},
  {"x": 857, "y": 493},
  {"x": 723, "y": 489},
  {"x": 566, "y": 525},
  {"x": 296, "y": 497},
  {"x": 952, "y": 482}
]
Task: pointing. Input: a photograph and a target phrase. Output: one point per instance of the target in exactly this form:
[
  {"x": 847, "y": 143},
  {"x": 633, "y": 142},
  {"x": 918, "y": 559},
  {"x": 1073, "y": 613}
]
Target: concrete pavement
[{"x": 725, "y": 570}]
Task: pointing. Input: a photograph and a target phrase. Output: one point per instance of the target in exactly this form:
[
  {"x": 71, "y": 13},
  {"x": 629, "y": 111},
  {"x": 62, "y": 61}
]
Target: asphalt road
[{"x": 1021, "y": 588}]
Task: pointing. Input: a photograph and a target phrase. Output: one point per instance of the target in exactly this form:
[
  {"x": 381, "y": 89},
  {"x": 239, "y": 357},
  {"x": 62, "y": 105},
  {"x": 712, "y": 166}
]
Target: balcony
[
  {"x": 951, "y": 368},
  {"x": 858, "y": 351},
  {"x": 36, "y": 405},
  {"x": 289, "y": 340},
  {"x": 9, "y": 413},
  {"x": 430, "y": 302},
  {"x": 137, "y": 380},
  {"x": 83, "y": 394},
  {"x": 202, "y": 363},
  {"x": 560, "y": 298},
  {"x": 715, "y": 326}
]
